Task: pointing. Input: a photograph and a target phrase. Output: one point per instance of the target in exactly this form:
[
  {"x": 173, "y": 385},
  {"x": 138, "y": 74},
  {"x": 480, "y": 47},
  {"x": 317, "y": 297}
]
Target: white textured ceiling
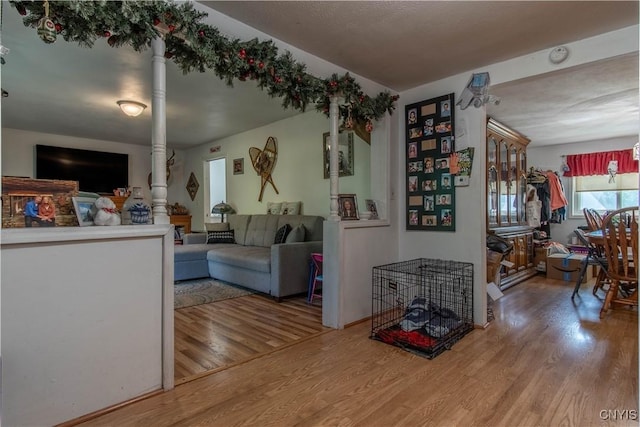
[
  {"x": 64, "y": 89},
  {"x": 589, "y": 102}
]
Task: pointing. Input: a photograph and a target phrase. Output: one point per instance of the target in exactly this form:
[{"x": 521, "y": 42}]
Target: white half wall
[{"x": 87, "y": 319}]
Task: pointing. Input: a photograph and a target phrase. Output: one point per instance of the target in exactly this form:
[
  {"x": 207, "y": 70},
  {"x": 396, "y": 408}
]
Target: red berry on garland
[
  {"x": 21, "y": 9},
  {"x": 201, "y": 33},
  {"x": 362, "y": 98},
  {"x": 333, "y": 83},
  {"x": 251, "y": 61},
  {"x": 278, "y": 79},
  {"x": 172, "y": 28},
  {"x": 58, "y": 27},
  {"x": 369, "y": 126},
  {"x": 156, "y": 21},
  {"x": 261, "y": 65},
  {"x": 243, "y": 53},
  {"x": 106, "y": 34},
  {"x": 168, "y": 55}
]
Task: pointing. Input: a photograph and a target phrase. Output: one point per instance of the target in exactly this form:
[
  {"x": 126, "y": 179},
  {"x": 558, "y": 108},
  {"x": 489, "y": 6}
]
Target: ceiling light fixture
[{"x": 132, "y": 108}]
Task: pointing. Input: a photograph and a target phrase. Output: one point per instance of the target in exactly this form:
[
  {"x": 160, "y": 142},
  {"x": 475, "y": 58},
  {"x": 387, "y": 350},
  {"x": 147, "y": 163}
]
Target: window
[
  {"x": 217, "y": 185},
  {"x": 596, "y": 192}
]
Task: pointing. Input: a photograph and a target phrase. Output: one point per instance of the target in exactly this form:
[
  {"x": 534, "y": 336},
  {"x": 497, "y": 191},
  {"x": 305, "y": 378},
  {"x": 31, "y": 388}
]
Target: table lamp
[{"x": 222, "y": 208}]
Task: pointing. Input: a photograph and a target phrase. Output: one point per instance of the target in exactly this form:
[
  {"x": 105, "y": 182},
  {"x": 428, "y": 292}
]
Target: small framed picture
[
  {"x": 238, "y": 166},
  {"x": 412, "y": 116},
  {"x": 372, "y": 207},
  {"x": 348, "y": 206},
  {"x": 82, "y": 206}
]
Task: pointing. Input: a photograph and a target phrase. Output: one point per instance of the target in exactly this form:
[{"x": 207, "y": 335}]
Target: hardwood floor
[
  {"x": 543, "y": 361},
  {"x": 215, "y": 336}
]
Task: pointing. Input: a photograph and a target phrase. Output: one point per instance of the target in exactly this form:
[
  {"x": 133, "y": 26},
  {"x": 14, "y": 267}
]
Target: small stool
[{"x": 315, "y": 277}]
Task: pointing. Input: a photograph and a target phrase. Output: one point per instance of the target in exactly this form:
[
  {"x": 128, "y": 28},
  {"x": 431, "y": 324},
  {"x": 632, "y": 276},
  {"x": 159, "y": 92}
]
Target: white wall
[
  {"x": 298, "y": 173},
  {"x": 550, "y": 158},
  {"x": 467, "y": 243},
  {"x": 18, "y": 158}
]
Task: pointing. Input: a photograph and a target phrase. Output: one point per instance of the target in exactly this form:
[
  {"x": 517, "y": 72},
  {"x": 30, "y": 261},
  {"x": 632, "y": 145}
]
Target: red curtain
[{"x": 598, "y": 163}]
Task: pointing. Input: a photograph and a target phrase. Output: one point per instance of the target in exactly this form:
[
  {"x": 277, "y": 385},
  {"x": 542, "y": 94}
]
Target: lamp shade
[
  {"x": 222, "y": 208},
  {"x": 132, "y": 108}
]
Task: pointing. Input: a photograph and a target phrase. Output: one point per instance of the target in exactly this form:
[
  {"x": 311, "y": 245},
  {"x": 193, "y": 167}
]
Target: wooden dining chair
[
  {"x": 620, "y": 229},
  {"x": 595, "y": 257},
  {"x": 594, "y": 220}
]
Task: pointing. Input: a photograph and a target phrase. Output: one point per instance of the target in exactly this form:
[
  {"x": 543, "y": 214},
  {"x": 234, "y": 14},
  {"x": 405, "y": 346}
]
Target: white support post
[
  {"x": 334, "y": 168},
  {"x": 159, "y": 134}
]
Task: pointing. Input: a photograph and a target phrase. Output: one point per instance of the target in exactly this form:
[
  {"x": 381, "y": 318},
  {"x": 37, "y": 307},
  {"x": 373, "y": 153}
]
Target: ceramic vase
[{"x": 136, "y": 210}]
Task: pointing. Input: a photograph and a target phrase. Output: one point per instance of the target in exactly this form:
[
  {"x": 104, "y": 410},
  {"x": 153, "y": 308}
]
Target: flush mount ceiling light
[{"x": 132, "y": 108}]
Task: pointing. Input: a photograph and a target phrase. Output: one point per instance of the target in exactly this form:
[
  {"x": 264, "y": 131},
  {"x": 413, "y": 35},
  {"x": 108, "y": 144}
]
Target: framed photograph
[
  {"x": 348, "y": 206},
  {"x": 37, "y": 209},
  {"x": 238, "y": 166},
  {"x": 372, "y": 207},
  {"x": 82, "y": 207},
  {"x": 345, "y": 153}
]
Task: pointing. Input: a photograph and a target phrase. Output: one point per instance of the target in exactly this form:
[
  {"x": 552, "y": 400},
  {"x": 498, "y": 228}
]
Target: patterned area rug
[{"x": 204, "y": 291}]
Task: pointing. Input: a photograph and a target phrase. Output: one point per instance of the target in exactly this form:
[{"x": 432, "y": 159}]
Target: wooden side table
[{"x": 181, "y": 221}]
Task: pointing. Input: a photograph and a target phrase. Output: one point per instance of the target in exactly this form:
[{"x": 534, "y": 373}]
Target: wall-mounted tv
[{"x": 95, "y": 171}]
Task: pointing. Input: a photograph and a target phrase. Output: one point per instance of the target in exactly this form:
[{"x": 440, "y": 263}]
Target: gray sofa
[{"x": 254, "y": 261}]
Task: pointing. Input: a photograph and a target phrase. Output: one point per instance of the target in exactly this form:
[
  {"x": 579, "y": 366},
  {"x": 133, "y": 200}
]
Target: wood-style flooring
[
  {"x": 215, "y": 336},
  {"x": 543, "y": 361}
]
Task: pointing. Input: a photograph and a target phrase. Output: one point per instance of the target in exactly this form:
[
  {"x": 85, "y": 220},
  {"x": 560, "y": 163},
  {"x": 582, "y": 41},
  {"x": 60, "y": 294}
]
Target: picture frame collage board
[{"x": 429, "y": 143}]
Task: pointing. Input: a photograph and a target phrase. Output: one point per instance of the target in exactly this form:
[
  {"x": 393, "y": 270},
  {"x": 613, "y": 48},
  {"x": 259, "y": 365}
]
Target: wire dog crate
[{"x": 423, "y": 306}]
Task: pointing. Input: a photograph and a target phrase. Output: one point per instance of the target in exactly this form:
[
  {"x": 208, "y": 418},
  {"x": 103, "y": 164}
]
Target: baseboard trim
[{"x": 101, "y": 412}]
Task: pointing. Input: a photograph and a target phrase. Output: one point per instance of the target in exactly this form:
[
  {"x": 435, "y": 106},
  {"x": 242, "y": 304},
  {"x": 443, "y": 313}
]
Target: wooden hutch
[{"x": 506, "y": 190}]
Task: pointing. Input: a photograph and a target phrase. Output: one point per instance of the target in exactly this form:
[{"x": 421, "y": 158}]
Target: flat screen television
[{"x": 95, "y": 171}]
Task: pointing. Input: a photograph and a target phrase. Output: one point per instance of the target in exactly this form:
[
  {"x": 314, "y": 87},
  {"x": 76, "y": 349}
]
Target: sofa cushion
[
  {"x": 220, "y": 237},
  {"x": 281, "y": 234},
  {"x": 262, "y": 230},
  {"x": 312, "y": 223},
  {"x": 193, "y": 252},
  {"x": 290, "y": 208},
  {"x": 239, "y": 224},
  {"x": 216, "y": 226},
  {"x": 297, "y": 234},
  {"x": 251, "y": 257},
  {"x": 274, "y": 208}
]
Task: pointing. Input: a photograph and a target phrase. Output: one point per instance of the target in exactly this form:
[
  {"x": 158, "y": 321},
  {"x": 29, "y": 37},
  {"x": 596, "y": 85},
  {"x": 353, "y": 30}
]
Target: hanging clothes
[{"x": 558, "y": 200}]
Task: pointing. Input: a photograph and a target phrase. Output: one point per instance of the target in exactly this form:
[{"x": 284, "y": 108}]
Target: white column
[
  {"x": 159, "y": 134},
  {"x": 334, "y": 168}
]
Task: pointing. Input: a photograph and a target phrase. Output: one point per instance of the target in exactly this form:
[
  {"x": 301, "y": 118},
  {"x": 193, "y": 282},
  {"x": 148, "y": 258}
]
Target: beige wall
[{"x": 298, "y": 174}]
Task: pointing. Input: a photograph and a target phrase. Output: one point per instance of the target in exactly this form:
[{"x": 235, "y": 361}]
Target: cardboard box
[
  {"x": 565, "y": 267},
  {"x": 493, "y": 266}
]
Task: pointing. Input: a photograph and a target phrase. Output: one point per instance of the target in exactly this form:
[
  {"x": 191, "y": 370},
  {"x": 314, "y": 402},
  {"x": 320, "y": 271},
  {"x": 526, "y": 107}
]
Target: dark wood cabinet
[{"x": 506, "y": 189}]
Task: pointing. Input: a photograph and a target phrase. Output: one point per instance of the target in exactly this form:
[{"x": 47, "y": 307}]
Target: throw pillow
[
  {"x": 216, "y": 226},
  {"x": 221, "y": 237},
  {"x": 290, "y": 208},
  {"x": 274, "y": 208},
  {"x": 297, "y": 234},
  {"x": 282, "y": 233}
]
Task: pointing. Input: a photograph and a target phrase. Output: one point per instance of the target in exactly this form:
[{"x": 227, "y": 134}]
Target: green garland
[{"x": 195, "y": 46}]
